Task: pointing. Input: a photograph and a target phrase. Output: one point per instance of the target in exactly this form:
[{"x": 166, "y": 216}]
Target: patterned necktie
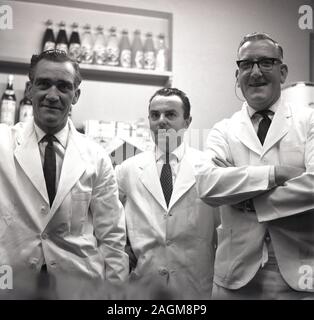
[
  {"x": 50, "y": 167},
  {"x": 263, "y": 125},
  {"x": 166, "y": 181}
]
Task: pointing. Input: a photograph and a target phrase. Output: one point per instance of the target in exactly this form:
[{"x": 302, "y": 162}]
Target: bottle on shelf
[
  {"x": 62, "y": 39},
  {"x": 149, "y": 52},
  {"x": 8, "y": 103},
  {"x": 75, "y": 43},
  {"x": 100, "y": 51},
  {"x": 48, "y": 42},
  {"x": 26, "y": 107},
  {"x": 113, "y": 51},
  {"x": 125, "y": 50},
  {"x": 137, "y": 50},
  {"x": 162, "y": 53},
  {"x": 86, "y": 45}
]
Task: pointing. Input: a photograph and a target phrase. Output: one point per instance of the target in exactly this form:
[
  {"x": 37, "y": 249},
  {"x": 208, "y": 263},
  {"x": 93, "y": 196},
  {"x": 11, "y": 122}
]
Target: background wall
[{"x": 206, "y": 34}]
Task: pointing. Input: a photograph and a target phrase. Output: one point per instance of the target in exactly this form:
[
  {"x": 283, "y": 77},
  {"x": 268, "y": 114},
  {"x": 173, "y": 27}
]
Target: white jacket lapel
[
  {"x": 28, "y": 156},
  {"x": 246, "y": 134},
  {"x": 150, "y": 179},
  {"x": 278, "y": 128}
]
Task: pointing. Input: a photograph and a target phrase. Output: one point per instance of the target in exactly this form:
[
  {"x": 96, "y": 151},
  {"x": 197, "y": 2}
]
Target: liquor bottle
[
  {"x": 87, "y": 45},
  {"x": 137, "y": 50},
  {"x": 149, "y": 52},
  {"x": 125, "y": 50},
  {"x": 8, "y": 103},
  {"x": 100, "y": 51},
  {"x": 26, "y": 107},
  {"x": 113, "y": 51},
  {"x": 62, "y": 39},
  {"x": 162, "y": 53},
  {"x": 49, "y": 41},
  {"x": 75, "y": 43}
]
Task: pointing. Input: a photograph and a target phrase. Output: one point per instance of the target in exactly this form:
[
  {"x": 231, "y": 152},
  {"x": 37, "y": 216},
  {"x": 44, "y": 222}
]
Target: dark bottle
[
  {"x": 75, "y": 43},
  {"x": 49, "y": 41},
  {"x": 8, "y": 104},
  {"x": 26, "y": 108},
  {"x": 62, "y": 39}
]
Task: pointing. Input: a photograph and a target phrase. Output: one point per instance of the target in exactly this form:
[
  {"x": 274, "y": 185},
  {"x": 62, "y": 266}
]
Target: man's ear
[
  {"x": 76, "y": 96},
  {"x": 237, "y": 78},
  {"x": 283, "y": 73},
  {"x": 29, "y": 86},
  {"x": 188, "y": 122}
]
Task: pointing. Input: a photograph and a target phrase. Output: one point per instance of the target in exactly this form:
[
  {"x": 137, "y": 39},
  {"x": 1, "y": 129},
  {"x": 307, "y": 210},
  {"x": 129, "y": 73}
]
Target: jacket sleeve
[
  {"x": 109, "y": 221},
  {"x": 296, "y": 195}
]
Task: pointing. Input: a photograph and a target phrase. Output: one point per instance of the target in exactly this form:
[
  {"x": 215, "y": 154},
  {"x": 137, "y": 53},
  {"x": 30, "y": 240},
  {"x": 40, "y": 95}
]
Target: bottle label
[
  {"x": 125, "y": 58},
  {"x": 75, "y": 51},
  {"x": 138, "y": 59},
  {"x": 149, "y": 60},
  {"x": 9, "y": 92},
  {"x": 161, "y": 60},
  {"x": 8, "y": 108},
  {"x": 113, "y": 55},
  {"x": 49, "y": 45},
  {"x": 62, "y": 47},
  {"x": 100, "y": 55},
  {"x": 86, "y": 54},
  {"x": 26, "y": 112}
]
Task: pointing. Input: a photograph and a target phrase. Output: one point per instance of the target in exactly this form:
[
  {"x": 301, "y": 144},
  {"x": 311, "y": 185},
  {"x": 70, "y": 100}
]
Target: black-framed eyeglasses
[{"x": 264, "y": 64}]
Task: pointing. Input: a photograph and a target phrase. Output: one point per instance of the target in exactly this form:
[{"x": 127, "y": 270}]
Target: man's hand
[
  {"x": 222, "y": 163},
  {"x": 284, "y": 173}
]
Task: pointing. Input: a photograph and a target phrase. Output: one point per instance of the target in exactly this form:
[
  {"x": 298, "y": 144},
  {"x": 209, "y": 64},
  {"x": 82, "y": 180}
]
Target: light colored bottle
[
  {"x": 8, "y": 103},
  {"x": 125, "y": 50},
  {"x": 149, "y": 52},
  {"x": 86, "y": 45},
  {"x": 100, "y": 51},
  {"x": 137, "y": 50},
  {"x": 113, "y": 51},
  {"x": 162, "y": 53},
  {"x": 75, "y": 43}
]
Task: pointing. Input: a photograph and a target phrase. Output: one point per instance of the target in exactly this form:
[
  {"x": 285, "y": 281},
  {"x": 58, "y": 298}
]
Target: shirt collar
[
  {"x": 177, "y": 153},
  {"x": 61, "y": 136},
  {"x": 272, "y": 108}
]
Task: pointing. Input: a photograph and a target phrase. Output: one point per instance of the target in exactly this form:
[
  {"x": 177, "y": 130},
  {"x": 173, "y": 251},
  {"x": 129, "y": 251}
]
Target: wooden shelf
[{"x": 99, "y": 73}]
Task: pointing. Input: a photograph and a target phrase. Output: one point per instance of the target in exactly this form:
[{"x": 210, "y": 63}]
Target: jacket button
[
  {"x": 44, "y": 210},
  {"x": 163, "y": 271},
  {"x": 168, "y": 242},
  {"x": 44, "y": 236}
]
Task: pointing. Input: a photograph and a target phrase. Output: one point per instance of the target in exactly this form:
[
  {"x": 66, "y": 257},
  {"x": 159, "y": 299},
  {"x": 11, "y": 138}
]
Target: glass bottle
[
  {"x": 26, "y": 107},
  {"x": 149, "y": 52},
  {"x": 125, "y": 50},
  {"x": 87, "y": 45},
  {"x": 100, "y": 51},
  {"x": 8, "y": 103},
  {"x": 113, "y": 51},
  {"x": 48, "y": 42},
  {"x": 62, "y": 39},
  {"x": 162, "y": 53},
  {"x": 137, "y": 50},
  {"x": 75, "y": 43}
]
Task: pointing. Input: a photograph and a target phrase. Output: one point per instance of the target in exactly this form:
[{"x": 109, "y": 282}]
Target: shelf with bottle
[{"x": 123, "y": 18}]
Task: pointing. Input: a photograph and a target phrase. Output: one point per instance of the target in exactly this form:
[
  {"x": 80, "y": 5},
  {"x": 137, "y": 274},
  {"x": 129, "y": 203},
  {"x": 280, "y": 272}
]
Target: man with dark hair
[
  {"x": 170, "y": 230},
  {"x": 266, "y": 243},
  {"x": 64, "y": 217}
]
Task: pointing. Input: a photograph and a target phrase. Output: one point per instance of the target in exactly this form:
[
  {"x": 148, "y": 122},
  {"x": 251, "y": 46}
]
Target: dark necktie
[
  {"x": 263, "y": 125},
  {"x": 50, "y": 167},
  {"x": 166, "y": 181}
]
